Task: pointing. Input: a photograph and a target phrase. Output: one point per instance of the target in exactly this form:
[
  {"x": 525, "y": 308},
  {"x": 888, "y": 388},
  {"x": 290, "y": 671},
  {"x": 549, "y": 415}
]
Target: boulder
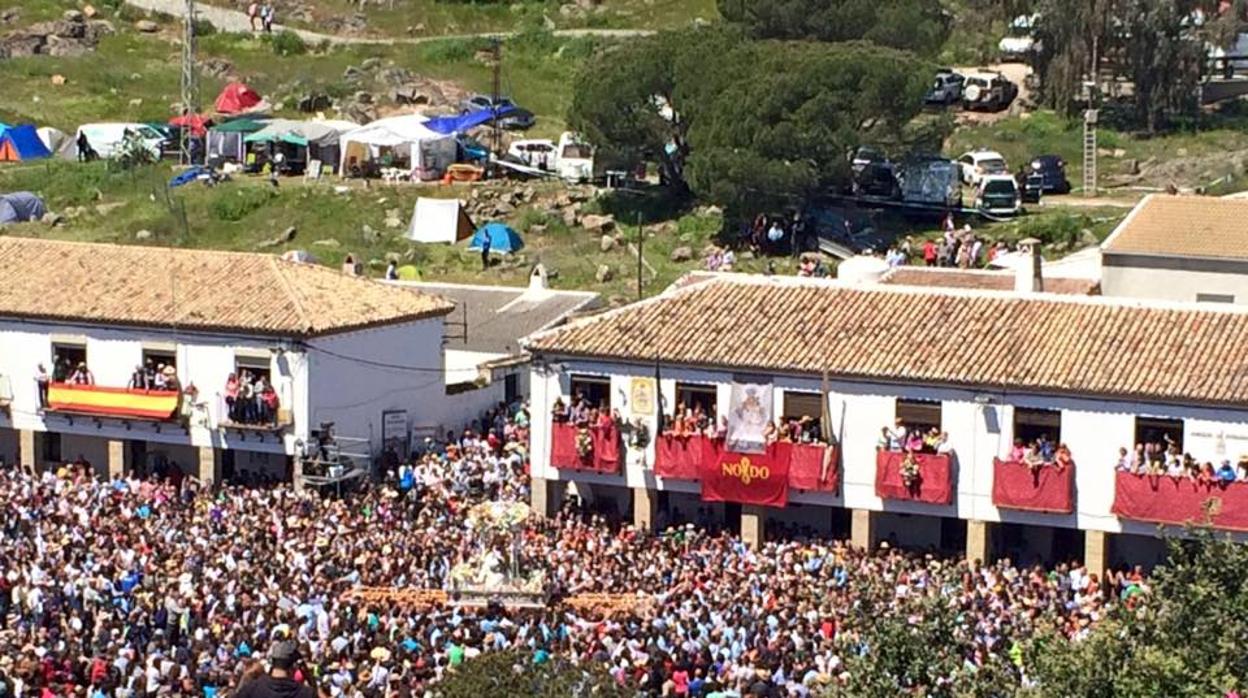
[
  {"x": 352, "y": 73},
  {"x": 603, "y": 275},
  {"x": 22, "y": 45},
  {"x": 53, "y": 219},
  {"x": 570, "y": 216},
  {"x": 598, "y": 224},
  {"x": 146, "y": 26},
  {"x": 371, "y": 64},
  {"x": 395, "y": 76},
  {"x": 289, "y": 234},
  {"x": 682, "y": 254},
  {"x": 309, "y": 104},
  {"x": 99, "y": 28},
  {"x": 66, "y": 48},
  {"x": 10, "y": 15},
  {"x": 89, "y": 11},
  {"x": 58, "y": 79},
  {"x": 537, "y": 228},
  {"x": 143, "y": 235},
  {"x": 73, "y": 16},
  {"x": 408, "y": 94},
  {"x": 607, "y": 243},
  {"x": 371, "y": 237},
  {"x": 216, "y": 67},
  {"x": 362, "y": 97},
  {"x": 707, "y": 211}
]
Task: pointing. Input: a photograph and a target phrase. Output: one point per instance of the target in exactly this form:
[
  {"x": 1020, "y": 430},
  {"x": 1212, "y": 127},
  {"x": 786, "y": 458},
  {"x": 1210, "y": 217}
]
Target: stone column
[
  {"x": 862, "y": 529},
  {"x": 544, "y": 496},
  {"x": 209, "y": 465},
  {"x": 645, "y": 508},
  {"x": 979, "y": 541},
  {"x": 1097, "y": 549},
  {"x": 116, "y": 458},
  {"x": 30, "y": 449},
  {"x": 753, "y": 525}
]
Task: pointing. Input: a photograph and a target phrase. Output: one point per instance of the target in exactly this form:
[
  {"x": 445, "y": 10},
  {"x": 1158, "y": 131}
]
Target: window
[
  {"x": 1214, "y": 298},
  {"x": 596, "y": 391},
  {"x": 155, "y": 358},
  {"x": 798, "y": 405},
  {"x": 691, "y": 396},
  {"x": 65, "y": 358},
  {"x": 1031, "y": 424},
  {"x": 923, "y": 415},
  {"x": 1167, "y": 432},
  {"x": 511, "y": 388},
  {"x": 51, "y": 447},
  {"x": 257, "y": 366}
]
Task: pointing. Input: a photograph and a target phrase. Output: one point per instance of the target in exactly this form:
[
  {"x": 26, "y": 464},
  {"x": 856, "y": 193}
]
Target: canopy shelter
[
  {"x": 237, "y": 98},
  {"x": 21, "y": 206},
  {"x": 503, "y": 239},
  {"x": 225, "y": 140},
  {"x": 439, "y": 220},
  {"x": 54, "y": 139},
  {"x": 307, "y": 140},
  {"x": 397, "y": 143},
  {"x": 20, "y": 143},
  {"x": 450, "y": 125},
  {"x": 197, "y": 123}
]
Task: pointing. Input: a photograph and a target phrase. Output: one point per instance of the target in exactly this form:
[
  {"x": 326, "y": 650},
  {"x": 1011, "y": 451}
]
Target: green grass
[{"x": 451, "y": 17}]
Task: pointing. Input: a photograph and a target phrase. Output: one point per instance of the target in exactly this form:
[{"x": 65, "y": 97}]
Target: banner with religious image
[{"x": 749, "y": 413}]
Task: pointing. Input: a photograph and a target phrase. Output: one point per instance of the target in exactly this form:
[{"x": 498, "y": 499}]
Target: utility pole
[
  {"x": 497, "y": 94},
  {"x": 1090, "y": 118},
  {"x": 190, "y": 83},
  {"x": 641, "y": 259}
]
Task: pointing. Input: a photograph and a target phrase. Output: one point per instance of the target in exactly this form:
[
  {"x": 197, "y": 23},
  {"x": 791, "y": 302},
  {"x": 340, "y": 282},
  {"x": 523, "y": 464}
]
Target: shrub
[
  {"x": 287, "y": 43},
  {"x": 233, "y": 206}
]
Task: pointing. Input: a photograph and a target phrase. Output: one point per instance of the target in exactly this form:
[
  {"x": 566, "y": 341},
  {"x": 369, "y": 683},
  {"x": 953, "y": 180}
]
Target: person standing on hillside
[
  {"x": 267, "y": 17},
  {"x": 485, "y": 252},
  {"x": 253, "y": 15}
]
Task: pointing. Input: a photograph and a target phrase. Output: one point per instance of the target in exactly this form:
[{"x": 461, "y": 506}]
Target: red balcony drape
[
  {"x": 1164, "y": 499},
  {"x": 1048, "y": 489},
  {"x": 745, "y": 478},
  {"x": 935, "y": 485},
  {"x": 605, "y": 457},
  {"x": 813, "y": 467},
  {"x": 678, "y": 457}
]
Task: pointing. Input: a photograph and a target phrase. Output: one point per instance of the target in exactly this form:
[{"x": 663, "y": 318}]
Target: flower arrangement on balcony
[
  {"x": 584, "y": 443},
  {"x": 911, "y": 475}
]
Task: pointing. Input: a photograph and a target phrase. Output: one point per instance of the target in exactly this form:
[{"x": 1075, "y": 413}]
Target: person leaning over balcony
[
  {"x": 269, "y": 402},
  {"x": 138, "y": 379},
  {"x": 231, "y": 396},
  {"x": 82, "y": 375},
  {"x": 1124, "y": 464},
  {"x": 41, "y": 385}
]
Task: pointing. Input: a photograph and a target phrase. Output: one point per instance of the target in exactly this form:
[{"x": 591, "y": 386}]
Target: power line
[{"x": 378, "y": 364}]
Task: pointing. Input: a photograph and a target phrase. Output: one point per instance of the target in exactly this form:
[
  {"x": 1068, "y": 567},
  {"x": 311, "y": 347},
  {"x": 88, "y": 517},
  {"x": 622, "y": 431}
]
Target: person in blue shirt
[{"x": 1226, "y": 473}]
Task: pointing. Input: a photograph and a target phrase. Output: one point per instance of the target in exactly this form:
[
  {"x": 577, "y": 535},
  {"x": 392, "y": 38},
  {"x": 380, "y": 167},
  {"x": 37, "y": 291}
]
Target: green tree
[
  {"x": 515, "y": 675},
  {"x": 1184, "y": 638},
  {"x": 921, "y": 26}
]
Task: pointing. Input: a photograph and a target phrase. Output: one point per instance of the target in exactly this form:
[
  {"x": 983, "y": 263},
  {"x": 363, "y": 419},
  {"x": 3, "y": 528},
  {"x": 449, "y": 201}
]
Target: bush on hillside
[
  {"x": 287, "y": 43},
  {"x": 234, "y": 206}
]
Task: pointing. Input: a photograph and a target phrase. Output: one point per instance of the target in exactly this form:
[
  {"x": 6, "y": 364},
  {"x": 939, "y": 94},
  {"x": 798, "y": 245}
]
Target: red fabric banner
[
  {"x": 1164, "y": 499},
  {"x": 678, "y": 457},
  {"x": 758, "y": 478},
  {"x": 935, "y": 485},
  {"x": 1047, "y": 489},
  {"x": 807, "y": 464},
  {"x": 606, "y": 448},
  {"x": 563, "y": 446}
]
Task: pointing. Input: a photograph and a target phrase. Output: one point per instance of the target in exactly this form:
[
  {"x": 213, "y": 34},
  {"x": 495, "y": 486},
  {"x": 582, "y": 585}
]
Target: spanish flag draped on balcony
[{"x": 112, "y": 402}]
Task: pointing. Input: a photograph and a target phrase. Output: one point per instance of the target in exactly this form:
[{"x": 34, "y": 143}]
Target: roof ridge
[{"x": 274, "y": 264}]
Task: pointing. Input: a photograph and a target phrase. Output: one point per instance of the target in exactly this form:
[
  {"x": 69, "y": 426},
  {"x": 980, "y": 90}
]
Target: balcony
[
  {"x": 930, "y": 482},
  {"x": 1045, "y": 488},
  {"x": 1181, "y": 500},
  {"x": 122, "y": 403},
  {"x": 591, "y": 449}
]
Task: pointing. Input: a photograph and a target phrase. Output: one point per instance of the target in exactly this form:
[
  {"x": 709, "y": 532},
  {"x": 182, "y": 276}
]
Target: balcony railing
[{"x": 102, "y": 401}]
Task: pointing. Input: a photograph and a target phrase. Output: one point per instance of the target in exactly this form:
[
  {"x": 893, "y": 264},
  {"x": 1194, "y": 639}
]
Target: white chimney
[{"x": 1027, "y": 275}]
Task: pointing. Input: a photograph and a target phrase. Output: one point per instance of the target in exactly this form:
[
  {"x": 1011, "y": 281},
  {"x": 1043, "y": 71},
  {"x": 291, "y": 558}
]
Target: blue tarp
[
  {"x": 458, "y": 124},
  {"x": 187, "y": 176},
  {"x": 20, "y": 206},
  {"x": 503, "y": 239},
  {"x": 22, "y": 143}
]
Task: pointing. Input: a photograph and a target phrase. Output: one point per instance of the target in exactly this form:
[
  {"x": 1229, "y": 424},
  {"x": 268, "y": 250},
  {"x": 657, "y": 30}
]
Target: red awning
[
  {"x": 197, "y": 123},
  {"x": 1181, "y": 500},
  {"x": 112, "y": 402},
  {"x": 1046, "y": 489},
  {"x": 934, "y": 485}
]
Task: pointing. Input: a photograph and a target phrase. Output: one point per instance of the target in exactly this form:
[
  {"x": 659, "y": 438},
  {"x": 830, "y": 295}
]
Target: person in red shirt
[{"x": 929, "y": 253}]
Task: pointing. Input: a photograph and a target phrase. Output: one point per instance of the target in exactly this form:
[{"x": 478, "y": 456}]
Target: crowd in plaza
[{"x": 145, "y": 588}]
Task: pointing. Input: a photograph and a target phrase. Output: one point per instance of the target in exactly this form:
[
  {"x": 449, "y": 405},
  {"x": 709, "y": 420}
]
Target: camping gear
[
  {"x": 439, "y": 220},
  {"x": 237, "y": 98},
  {"x": 503, "y": 239},
  {"x": 19, "y": 143},
  {"x": 450, "y": 125},
  {"x": 225, "y": 140},
  {"x": 405, "y": 139},
  {"x": 21, "y": 206},
  {"x": 300, "y": 257},
  {"x": 408, "y": 272},
  {"x": 197, "y": 123},
  {"x": 53, "y": 139},
  {"x": 311, "y": 140}
]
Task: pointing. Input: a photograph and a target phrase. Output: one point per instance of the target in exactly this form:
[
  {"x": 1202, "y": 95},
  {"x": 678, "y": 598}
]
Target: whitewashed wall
[{"x": 980, "y": 426}]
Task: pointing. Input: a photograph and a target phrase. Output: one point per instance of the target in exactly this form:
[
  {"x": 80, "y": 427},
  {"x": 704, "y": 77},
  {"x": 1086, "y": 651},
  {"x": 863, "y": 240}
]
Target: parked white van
[{"x": 107, "y": 139}]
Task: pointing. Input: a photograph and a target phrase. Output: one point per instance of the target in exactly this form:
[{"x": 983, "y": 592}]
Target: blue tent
[
  {"x": 502, "y": 238},
  {"x": 20, "y": 207},
  {"x": 22, "y": 143},
  {"x": 458, "y": 124}
]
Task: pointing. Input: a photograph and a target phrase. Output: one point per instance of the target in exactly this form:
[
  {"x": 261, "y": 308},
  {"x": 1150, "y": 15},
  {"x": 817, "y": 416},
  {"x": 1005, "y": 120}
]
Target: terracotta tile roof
[
  {"x": 983, "y": 280},
  {"x": 1183, "y": 226},
  {"x": 195, "y": 289},
  {"x": 1043, "y": 343}
]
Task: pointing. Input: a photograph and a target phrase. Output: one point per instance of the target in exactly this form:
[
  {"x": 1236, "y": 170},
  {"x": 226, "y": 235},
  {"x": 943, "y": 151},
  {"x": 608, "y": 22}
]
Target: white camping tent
[
  {"x": 439, "y": 220},
  {"x": 407, "y": 138}
]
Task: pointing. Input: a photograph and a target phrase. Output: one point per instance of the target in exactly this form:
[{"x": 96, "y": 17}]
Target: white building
[
  {"x": 1097, "y": 374},
  {"x": 1180, "y": 248},
  {"x": 336, "y": 348}
]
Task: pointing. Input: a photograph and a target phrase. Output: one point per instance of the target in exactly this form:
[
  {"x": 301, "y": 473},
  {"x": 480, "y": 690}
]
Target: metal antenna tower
[{"x": 190, "y": 83}]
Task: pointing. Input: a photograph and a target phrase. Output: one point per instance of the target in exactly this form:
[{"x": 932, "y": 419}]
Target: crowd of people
[
  {"x": 251, "y": 399},
  {"x": 911, "y": 439},
  {"x": 1040, "y": 451},
  {"x": 147, "y": 587},
  {"x": 1167, "y": 458}
]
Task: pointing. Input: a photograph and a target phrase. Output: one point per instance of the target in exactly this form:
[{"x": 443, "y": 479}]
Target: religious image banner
[{"x": 749, "y": 413}]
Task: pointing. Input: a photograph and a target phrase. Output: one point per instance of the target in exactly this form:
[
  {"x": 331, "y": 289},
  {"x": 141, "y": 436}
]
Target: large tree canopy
[
  {"x": 921, "y": 26},
  {"x": 759, "y": 124}
]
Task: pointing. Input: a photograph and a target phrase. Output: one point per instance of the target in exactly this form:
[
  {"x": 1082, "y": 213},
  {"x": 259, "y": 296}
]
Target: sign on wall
[
  {"x": 394, "y": 432},
  {"x": 641, "y": 397},
  {"x": 749, "y": 413},
  {"x": 1215, "y": 442}
]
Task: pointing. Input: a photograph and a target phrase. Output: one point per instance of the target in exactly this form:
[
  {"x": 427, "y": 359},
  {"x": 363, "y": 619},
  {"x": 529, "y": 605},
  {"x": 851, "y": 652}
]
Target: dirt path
[{"x": 226, "y": 20}]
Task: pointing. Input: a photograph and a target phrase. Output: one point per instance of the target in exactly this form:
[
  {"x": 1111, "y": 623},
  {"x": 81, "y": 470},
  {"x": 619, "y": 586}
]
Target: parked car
[
  {"x": 876, "y": 179},
  {"x": 978, "y": 163},
  {"x": 999, "y": 194},
  {"x": 1020, "y": 40},
  {"x": 107, "y": 139},
  {"x": 1051, "y": 172},
  {"x": 865, "y": 155},
  {"x": 947, "y": 88},
  {"x": 988, "y": 92},
  {"x": 930, "y": 180},
  {"x": 517, "y": 118}
]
